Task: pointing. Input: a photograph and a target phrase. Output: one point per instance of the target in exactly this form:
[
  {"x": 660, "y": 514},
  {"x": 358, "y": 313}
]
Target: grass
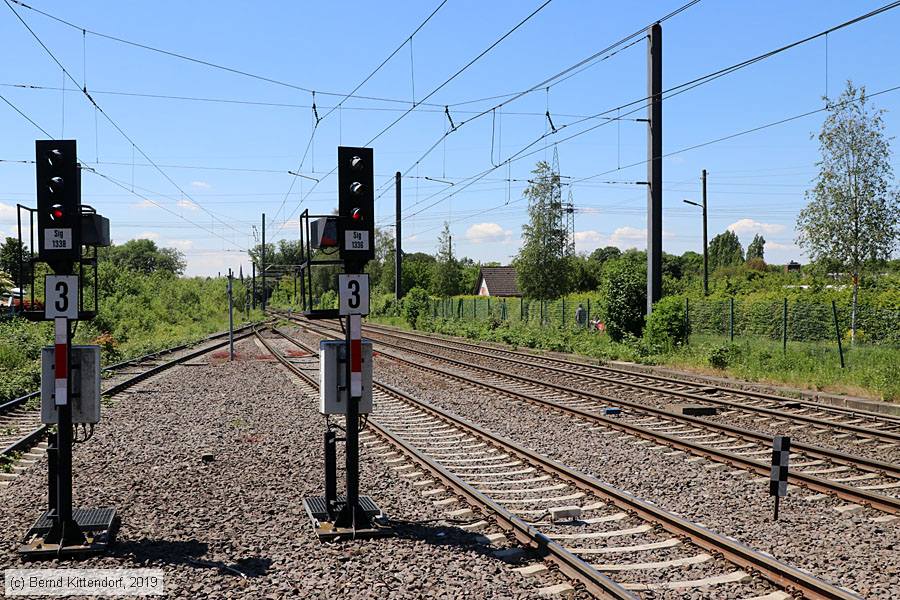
[{"x": 870, "y": 371}]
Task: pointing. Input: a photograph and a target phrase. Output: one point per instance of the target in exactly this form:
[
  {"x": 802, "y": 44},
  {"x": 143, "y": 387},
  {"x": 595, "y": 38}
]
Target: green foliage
[
  {"x": 666, "y": 326},
  {"x": 757, "y": 248},
  {"x": 623, "y": 294},
  {"x": 723, "y": 355},
  {"x": 416, "y": 307},
  {"x": 143, "y": 256},
  {"x": 542, "y": 267},
  {"x": 853, "y": 214},
  {"x": 447, "y": 273},
  {"x": 725, "y": 250},
  {"x": 10, "y": 250}
]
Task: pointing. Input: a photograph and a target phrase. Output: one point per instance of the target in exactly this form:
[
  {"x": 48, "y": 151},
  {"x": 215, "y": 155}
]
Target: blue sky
[{"x": 756, "y": 181}]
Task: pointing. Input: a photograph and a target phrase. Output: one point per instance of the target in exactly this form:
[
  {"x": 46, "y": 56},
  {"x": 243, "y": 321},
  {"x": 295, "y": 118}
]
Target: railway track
[
  {"x": 21, "y": 429},
  {"x": 612, "y": 543},
  {"x": 856, "y": 479},
  {"x": 863, "y": 428},
  {"x": 858, "y": 421}
]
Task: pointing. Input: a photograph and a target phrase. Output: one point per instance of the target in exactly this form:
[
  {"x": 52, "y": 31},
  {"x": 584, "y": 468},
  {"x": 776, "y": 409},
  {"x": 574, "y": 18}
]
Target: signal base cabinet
[
  {"x": 333, "y": 377},
  {"x": 85, "y": 373}
]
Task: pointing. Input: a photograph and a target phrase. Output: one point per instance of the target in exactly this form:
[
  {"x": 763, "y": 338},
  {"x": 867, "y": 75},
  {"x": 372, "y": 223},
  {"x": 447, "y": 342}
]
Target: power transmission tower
[{"x": 569, "y": 208}]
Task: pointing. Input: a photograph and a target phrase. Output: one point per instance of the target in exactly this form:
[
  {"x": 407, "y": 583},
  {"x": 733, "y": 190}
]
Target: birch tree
[{"x": 852, "y": 215}]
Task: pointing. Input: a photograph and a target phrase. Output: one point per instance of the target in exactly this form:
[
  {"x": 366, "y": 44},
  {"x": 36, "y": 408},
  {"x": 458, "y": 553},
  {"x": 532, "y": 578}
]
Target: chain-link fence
[{"x": 785, "y": 320}]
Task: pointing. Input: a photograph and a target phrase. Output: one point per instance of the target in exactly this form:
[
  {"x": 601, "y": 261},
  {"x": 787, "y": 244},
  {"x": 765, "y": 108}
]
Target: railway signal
[
  {"x": 58, "y": 203},
  {"x": 70, "y": 375},
  {"x": 345, "y": 365},
  {"x": 356, "y": 206}
]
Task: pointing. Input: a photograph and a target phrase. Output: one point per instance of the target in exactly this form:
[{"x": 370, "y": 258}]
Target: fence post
[
  {"x": 503, "y": 310},
  {"x": 563, "y": 311},
  {"x": 475, "y": 308},
  {"x": 542, "y": 312},
  {"x": 837, "y": 331},
  {"x": 489, "y": 307},
  {"x": 784, "y": 328},
  {"x": 687, "y": 320},
  {"x": 521, "y": 308},
  {"x": 731, "y": 318},
  {"x": 588, "y": 311}
]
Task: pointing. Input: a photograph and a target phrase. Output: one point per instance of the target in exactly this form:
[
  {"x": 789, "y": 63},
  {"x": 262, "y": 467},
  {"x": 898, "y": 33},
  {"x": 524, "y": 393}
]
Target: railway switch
[{"x": 333, "y": 378}]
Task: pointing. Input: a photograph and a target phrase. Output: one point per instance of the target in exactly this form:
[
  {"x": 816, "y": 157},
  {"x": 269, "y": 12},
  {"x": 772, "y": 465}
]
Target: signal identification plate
[
  {"x": 356, "y": 240},
  {"x": 58, "y": 239}
]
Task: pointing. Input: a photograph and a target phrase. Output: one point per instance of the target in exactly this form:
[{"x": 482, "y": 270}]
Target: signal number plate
[
  {"x": 58, "y": 239},
  {"x": 356, "y": 240}
]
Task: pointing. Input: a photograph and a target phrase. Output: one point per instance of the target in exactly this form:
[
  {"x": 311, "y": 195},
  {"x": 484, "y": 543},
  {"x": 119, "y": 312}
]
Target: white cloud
[
  {"x": 201, "y": 185},
  {"x": 187, "y": 204},
  {"x": 147, "y": 235},
  {"x": 183, "y": 245},
  {"x": 779, "y": 246},
  {"x": 588, "y": 237},
  {"x": 748, "y": 226},
  {"x": 7, "y": 212},
  {"x": 144, "y": 204},
  {"x": 483, "y": 233},
  {"x": 626, "y": 237}
]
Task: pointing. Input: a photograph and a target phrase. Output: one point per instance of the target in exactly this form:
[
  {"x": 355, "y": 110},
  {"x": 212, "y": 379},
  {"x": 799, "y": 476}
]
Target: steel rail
[
  {"x": 855, "y": 412},
  {"x": 881, "y": 502},
  {"x": 739, "y": 554},
  {"x": 33, "y": 437},
  {"x": 888, "y": 436},
  {"x": 573, "y": 566},
  {"x": 15, "y": 402}
]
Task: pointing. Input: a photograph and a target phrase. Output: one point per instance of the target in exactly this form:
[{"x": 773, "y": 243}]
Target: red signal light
[
  {"x": 356, "y": 214},
  {"x": 56, "y": 212}
]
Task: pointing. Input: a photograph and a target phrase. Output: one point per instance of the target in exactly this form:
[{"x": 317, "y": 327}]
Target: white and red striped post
[
  {"x": 61, "y": 371},
  {"x": 355, "y": 356}
]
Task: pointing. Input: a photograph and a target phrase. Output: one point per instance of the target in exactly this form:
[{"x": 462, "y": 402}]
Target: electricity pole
[
  {"x": 398, "y": 251},
  {"x": 705, "y": 243},
  {"x": 263, "y": 265},
  {"x": 654, "y": 167}
]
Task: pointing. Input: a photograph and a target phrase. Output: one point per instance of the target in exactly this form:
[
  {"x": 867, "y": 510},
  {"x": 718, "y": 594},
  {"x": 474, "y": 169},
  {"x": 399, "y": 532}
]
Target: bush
[
  {"x": 624, "y": 297},
  {"x": 723, "y": 355},
  {"x": 416, "y": 306},
  {"x": 666, "y": 327}
]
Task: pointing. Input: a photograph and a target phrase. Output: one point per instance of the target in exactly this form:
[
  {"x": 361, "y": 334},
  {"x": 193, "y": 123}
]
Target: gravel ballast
[
  {"x": 243, "y": 509},
  {"x": 849, "y": 549}
]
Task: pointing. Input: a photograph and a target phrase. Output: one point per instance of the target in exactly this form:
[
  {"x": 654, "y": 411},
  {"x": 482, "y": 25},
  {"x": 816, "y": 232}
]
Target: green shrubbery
[
  {"x": 666, "y": 326},
  {"x": 138, "y": 314}
]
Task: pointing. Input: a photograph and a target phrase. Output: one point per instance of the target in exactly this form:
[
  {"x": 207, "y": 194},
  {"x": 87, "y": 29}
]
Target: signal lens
[
  {"x": 56, "y": 185},
  {"x": 356, "y": 187},
  {"x": 356, "y": 214},
  {"x": 56, "y": 212}
]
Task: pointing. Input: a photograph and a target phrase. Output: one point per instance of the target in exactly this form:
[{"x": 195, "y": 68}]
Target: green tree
[
  {"x": 725, "y": 250},
  {"x": 623, "y": 294},
  {"x": 10, "y": 250},
  {"x": 542, "y": 267},
  {"x": 852, "y": 216},
  {"x": 601, "y": 255},
  {"x": 757, "y": 248},
  {"x": 447, "y": 273},
  {"x": 143, "y": 256},
  {"x": 418, "y": 270}
]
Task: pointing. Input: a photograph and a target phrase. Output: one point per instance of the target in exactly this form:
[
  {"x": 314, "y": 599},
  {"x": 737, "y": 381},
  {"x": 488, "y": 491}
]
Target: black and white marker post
[{"x": 781, "y": 452}]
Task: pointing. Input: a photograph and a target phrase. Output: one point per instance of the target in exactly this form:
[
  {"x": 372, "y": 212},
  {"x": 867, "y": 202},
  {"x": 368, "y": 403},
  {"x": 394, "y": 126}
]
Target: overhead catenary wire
[
  {"x": 675, "y": 90},
  {"x": 434, "y": 91},
  {"x": 199, "y": 61},
  {"x": 344, "y": 99},
  {"x": 109, "y": 118},
  {"x": 115, "y": 181}
]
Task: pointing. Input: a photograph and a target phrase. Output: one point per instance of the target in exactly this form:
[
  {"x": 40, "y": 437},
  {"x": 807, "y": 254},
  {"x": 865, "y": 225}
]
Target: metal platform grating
[
  {"x": 317, "y": 508},
  {"x": 88, "y": 519}
]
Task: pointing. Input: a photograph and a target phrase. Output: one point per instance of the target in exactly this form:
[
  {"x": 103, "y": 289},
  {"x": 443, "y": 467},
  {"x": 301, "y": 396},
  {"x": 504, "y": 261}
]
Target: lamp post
[{"x": 705, "y": 245}]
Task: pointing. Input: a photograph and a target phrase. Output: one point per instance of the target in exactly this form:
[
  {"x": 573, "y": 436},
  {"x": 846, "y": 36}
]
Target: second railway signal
[{"x": 356, "y": 206}]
